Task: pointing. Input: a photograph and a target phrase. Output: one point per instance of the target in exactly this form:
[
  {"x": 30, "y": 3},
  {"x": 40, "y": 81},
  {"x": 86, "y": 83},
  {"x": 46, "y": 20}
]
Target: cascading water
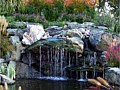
[
  {"x": 48, "y": 57},
  {"x": 61, "y": 61},
  {"x": 94, "y": 63},
  {"x": 76, "y": 58},
  {"x": 55, "y": 60},
  {"x": 30, "y": 64},
  {"x": 30, "y": 59},
  {"x": 69, "y": 64},
  {"x": 58, "y": 63},
  {"x": 40, "y": 57}
]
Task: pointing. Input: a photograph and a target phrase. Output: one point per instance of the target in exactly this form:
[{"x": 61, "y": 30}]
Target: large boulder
[
  {"x": 34, "y": 33},
  {"x": 100, "y": 39},
  {"x": 77, "y": 43},
  {"x": 112, "y": 75},
  {"x": 24, "y": 71}
]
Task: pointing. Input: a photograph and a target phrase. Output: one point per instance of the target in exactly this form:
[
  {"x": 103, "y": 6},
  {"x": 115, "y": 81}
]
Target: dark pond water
[
  {"x": 35, "y": 84},
  {"x": 48, "y": 85}
]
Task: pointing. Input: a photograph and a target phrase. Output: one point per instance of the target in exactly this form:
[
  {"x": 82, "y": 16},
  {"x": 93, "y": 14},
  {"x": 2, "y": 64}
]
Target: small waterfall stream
[
  {"x": 59, "y": 63},
  {"x": 30, "y": 59},
  {"x": 40, "y": 57}
]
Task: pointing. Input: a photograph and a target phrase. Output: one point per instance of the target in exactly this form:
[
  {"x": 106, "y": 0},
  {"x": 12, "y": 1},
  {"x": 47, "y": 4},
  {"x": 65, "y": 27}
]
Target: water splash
[
  {"x": 82, "y": 77},
  {"x": 54, "y": 78}
]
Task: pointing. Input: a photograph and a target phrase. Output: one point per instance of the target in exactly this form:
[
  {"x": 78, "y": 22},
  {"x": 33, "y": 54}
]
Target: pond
[{"x": 36, "y": 84}]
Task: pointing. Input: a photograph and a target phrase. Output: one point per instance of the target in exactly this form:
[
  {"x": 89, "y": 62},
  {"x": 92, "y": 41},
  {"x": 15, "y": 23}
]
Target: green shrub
[{"x": 52, "y": 12}]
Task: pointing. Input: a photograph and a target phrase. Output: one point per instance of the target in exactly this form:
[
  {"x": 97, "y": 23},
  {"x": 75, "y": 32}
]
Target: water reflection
[
  {"x": 48, "y": 85},
  {"x": 36, "y": 84}
]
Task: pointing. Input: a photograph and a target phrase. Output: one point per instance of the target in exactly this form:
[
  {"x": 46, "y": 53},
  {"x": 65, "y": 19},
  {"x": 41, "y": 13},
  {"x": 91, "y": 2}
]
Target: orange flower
[
  {"x": 68, "y": 2},
  {"x": 92, "y": 2}
]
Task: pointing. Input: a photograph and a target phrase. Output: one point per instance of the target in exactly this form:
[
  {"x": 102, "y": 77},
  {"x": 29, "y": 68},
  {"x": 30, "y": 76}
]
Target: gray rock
[
  {"x": 73, "y": 25},
  {"x": 1, "y": 60},
  {"x": 77, "y": 43},
  {"x": 102, "y": 27},
  {"x": 24, "y": 71},
  {"x": 19, "y": 24},
  {"x": 100, "y": 39},
  {"x": 14, "y": 40},
  {"x": 89, "y": 24},
  {"x": 13, "y": 55},
  {"x": 12, "y": 32},
  {"x": 112, "y": 75},
  {"x": 20, "y": 32},
  {"x": 73, "y": 33},
  {"x": 19, "y": 50},
  {"x": 54, "y": 28},
  {"x": 4, "y": 79}
]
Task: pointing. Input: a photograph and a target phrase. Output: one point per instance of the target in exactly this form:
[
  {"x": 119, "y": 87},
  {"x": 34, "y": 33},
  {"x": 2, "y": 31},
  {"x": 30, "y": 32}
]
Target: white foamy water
[
  {"x": 53, "y": 78},
  {"x": 82, "y": 80}
]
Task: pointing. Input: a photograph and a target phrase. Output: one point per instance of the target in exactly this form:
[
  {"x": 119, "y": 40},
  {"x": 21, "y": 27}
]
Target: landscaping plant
[{"x": 113, "y": 56}]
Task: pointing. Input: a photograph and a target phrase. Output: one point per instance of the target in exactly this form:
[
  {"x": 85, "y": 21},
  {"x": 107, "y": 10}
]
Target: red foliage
[{"x": 113, "y": 53}]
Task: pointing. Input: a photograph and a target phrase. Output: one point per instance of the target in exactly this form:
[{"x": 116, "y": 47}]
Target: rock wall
[{"x": 70, "y": 43}]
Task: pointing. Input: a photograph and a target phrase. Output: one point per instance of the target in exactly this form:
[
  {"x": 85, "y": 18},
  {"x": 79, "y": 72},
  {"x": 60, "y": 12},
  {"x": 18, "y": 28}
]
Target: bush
[
  {"x": 51, "y": 9},
  {"x": 113, "y": 56},
  {"x": 54, "y": 10}
]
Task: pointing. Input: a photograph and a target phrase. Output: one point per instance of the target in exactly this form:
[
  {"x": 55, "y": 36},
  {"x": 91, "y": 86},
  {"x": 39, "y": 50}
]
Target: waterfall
[
  {"x": 51, "y": 60},
  {"x": 30, "y": 64},
  {"x": 55, "y": 62},
  {"x": 76, "y": 60},
  {"x": 58, "y": 57},
  {"x": 40, "y": 58},
  {"x": 61, "y": 61},
  {"x": 48, "y": 57},
  {"x": 94, "y": 63},
  {"x": 30, "y": 59},
  {"x": 69, "y": 63}
]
